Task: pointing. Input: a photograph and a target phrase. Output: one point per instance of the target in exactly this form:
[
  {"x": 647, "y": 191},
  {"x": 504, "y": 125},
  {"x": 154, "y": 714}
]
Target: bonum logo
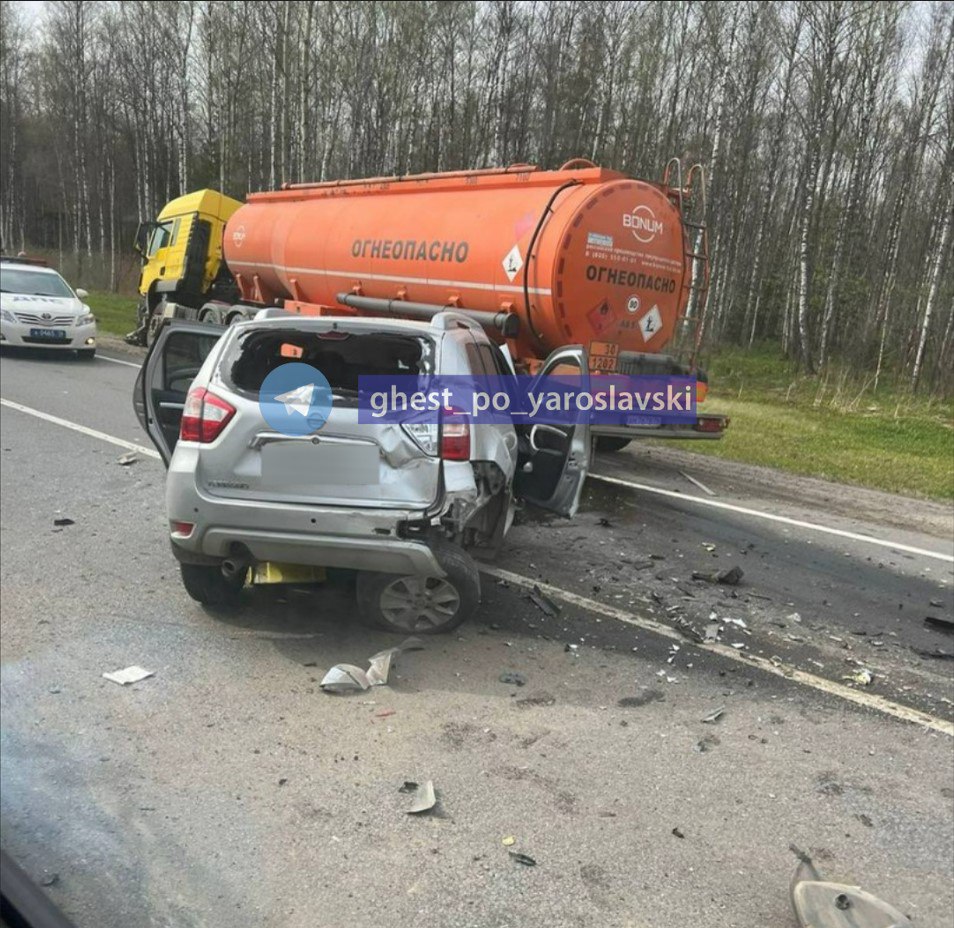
[{"x": 642, "y": 222}]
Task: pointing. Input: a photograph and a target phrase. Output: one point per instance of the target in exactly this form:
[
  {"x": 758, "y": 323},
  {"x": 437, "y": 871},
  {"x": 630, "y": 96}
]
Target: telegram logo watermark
[{"x": 295, "y": 399}]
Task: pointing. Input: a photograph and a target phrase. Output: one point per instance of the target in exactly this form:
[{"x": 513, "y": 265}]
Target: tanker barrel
[{"x": 508, "y": 324}]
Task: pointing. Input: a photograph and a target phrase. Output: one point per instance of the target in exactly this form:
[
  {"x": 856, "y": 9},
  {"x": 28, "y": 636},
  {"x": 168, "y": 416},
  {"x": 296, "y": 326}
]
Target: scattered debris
[
  {"x": 794, "y": 617},
  {"x": 936, "y": 604},
  {"x": 423, "y": 796},
  {"x": 380, "y": 666},
  {"x": 712, "y": 631},
  {"x": 714, "y": 715},
  {"x": 728, "y": 577},
  {"x": 938, "y": 654},
  {"x": 862, "y": 676},
  {"x": 509, "y": 841},
  {"x": 739, "y": 645},
  {"x": 129, "y": 458},
  {"x": 345, "y": 678},
  {"x": 698, "y": 483},
  {"x": 524, "y": 859},
  {"x": 63, "y": 521},
  {"x": 385, "y": 713},
  {"x": 129, "y": 675},
  {"x": 738, "y": 622},
  {"x": 706, "y": 744},
  {"x": 49, "y": 878},
  {"x": 709, "y": 546},
  {"x": 941, "y": 623},
  {"x": 538, "y": 699},
  {"x": 512, "y": 678},
  {"x": 604, "y": 522},
  {"x": 820, "y": 904},
  {"x": 678, "y": 832},
  {"x": 571, "y": 649},
  {"x": 543, "y": 602},
  {"x": 688, "y": 629}
]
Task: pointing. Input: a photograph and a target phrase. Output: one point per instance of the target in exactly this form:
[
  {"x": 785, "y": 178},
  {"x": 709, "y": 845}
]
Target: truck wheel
[
  {"x": 418, "y": 604},
  {"x": 155, "y": 320},
  {"x": 611, "y": 443},
  {"x": 209, "y": 586}
]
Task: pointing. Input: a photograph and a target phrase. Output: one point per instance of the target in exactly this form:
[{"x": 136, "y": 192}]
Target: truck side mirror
[{"x": 142, "y": 237}]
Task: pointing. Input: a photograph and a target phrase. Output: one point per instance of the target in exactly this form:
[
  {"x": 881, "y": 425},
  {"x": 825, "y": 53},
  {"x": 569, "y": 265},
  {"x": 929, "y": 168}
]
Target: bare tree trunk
[{"x": 936, "y": 267}]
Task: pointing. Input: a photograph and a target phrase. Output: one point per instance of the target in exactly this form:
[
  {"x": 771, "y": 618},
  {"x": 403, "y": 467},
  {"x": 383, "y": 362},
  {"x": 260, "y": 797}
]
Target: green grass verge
[
  {"x": 832, "y": 426},
  {"x": 115, "y": 312}
]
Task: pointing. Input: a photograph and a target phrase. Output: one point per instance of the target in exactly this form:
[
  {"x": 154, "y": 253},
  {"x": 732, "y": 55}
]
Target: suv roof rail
[{"x": 449, "y": 319}]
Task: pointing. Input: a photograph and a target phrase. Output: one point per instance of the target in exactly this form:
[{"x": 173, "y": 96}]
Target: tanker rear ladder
[{"x": 689, "y": 196}]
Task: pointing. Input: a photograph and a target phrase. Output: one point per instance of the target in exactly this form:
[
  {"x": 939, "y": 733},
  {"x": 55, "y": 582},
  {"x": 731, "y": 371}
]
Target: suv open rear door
[
  {"x": 559, "y": 455},
  {"x": 171, "y": 364}
]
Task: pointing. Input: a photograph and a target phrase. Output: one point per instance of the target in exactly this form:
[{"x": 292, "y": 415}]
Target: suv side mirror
[{"x": 81, "y": 293}]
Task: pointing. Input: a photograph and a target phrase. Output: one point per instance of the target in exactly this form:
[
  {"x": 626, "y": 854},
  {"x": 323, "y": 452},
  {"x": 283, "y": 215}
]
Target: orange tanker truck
[{"x": 582, "y": 255}]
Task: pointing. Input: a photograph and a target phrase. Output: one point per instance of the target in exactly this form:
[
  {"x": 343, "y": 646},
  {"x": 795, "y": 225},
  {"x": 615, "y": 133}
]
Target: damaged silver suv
[{"x": 401, "y": 504}]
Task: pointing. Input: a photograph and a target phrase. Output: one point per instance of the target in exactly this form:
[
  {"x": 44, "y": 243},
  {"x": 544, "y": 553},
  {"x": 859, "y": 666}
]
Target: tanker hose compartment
[{"x": 533, "y": 241}]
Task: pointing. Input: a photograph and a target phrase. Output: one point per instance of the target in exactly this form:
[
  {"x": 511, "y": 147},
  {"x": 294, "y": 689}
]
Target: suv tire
[
  {"x": 210, "y": 587},
  {"x": 422, "y": 605}
]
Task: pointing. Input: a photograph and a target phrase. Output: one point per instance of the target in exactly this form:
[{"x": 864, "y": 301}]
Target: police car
[{"x": 38, "y": 309}]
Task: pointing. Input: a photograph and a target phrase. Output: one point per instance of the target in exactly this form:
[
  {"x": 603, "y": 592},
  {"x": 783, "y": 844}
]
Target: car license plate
[
  {"x": 54, "y": 335},
  {"x": 303, "y": 464},
  {"x": 649, "y": 422}
]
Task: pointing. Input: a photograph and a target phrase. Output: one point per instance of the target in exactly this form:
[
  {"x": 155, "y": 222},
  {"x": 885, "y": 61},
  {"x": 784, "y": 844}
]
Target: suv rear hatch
[{"x": 344, "y": 462}]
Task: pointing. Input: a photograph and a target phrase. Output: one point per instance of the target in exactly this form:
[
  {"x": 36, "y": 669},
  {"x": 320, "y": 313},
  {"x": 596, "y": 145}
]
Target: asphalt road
[{"x": 227, "y": 790}]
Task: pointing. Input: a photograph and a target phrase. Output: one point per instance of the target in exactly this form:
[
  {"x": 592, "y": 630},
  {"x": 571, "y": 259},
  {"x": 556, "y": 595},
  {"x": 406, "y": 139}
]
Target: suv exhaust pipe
[{"x": 234, "y": 567}]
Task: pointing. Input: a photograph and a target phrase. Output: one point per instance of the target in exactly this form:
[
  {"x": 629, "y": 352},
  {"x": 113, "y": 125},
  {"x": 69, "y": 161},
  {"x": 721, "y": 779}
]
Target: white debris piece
[
  {"x": 129, "y": 675},
  {"x": 344, "y": 678}
]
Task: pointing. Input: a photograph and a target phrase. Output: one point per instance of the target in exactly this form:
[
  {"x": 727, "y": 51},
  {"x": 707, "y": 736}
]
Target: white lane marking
[
  {"x": 788, "y": 672},
  {"x": 868, "y": 700},
  {"x": 82, "y": 429},
  {"x": 772, "y": 517},
  {"x": 393, "y": 278},
  {"x": 102, "y": 357}
]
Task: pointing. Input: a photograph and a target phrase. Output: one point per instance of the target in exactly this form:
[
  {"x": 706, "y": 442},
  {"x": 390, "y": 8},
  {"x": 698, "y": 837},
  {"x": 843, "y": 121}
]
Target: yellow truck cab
[{"x": 182, "y": 257}]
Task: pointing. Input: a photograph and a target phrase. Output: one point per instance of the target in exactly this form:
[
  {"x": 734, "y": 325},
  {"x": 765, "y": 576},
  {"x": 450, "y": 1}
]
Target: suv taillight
[
  {"x": 455, "y": 436},
  {"x": 204, "y": 416}
]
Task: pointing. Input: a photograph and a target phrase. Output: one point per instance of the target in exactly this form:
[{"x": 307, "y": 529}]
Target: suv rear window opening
[{"x": 340, "y": 355}]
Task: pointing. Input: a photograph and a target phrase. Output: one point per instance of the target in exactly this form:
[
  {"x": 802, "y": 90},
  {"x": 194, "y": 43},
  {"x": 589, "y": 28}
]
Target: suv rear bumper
[{"x": 349, "y": 537}]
